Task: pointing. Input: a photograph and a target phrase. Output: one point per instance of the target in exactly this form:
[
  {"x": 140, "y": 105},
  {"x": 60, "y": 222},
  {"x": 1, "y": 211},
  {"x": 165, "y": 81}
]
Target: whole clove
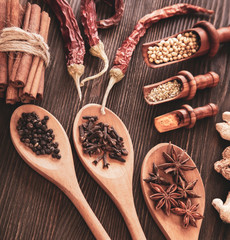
[
  {"x": 105, "y": 163},
  {"x": 97, "y": 138},
  {"x": 35, "y": 134}
]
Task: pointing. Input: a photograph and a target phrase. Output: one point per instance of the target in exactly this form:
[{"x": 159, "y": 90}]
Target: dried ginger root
[
  {"x": 223, "y": 166},
  {"x": 224, "y": 127},
  {"x": 223, "y": 208}
]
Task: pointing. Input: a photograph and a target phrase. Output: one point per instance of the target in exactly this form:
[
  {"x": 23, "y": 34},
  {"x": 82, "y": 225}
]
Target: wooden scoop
[
  {"x": 184, "y": 117},
  {"x": 117, "y": 179},
  {"x": 189, "y": 85},
  {"x": 60, "y": 172},
  {"x": 210, "y": 39},
  {"x": 171, "y": 226}
]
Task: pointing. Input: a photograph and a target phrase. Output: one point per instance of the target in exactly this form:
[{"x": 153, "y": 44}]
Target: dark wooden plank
[{"x": 33, "y": 208}]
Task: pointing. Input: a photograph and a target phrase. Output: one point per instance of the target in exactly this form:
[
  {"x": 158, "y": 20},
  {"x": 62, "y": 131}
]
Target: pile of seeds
[
  {"x": 165, "y": 91},
  {"x": 100, "y": 138},
  {"x": 183, "y": 46},
  {"x": 35, "y": 134}
]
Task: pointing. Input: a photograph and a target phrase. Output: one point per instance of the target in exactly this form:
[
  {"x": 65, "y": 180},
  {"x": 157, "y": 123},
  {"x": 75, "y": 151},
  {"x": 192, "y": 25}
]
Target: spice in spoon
[
  {"x": 35, "y": 134},
  {"x": 182, "y": 46},
  {"x": 165, "y": 91},
  {"x": 177, "y": 198},
  {"x": 100, "y": 139}
]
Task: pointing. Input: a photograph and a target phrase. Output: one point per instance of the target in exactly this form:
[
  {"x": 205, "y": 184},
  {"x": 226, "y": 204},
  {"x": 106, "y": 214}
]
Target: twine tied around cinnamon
[{"x": 14, "y": 39}]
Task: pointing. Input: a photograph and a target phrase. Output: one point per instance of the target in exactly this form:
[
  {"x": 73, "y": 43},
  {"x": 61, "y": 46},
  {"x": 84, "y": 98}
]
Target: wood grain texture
[{"x": 33, "y": 208}]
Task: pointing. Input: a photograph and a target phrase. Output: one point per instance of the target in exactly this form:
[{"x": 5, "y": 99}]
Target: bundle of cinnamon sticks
[{"x": 22, "y": 74}]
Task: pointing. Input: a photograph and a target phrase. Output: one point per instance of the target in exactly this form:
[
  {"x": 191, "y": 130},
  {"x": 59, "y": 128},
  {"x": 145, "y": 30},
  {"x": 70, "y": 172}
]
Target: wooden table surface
[{"x": 33, "y": 208}]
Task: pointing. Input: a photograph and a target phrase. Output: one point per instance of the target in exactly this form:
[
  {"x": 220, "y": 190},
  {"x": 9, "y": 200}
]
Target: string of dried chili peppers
[
  {"x": 89, "y": 22},
  {"x": 124, "y": 53},
  {"x": 73, "y": 42},
  {"x": 116, "y": 18}
]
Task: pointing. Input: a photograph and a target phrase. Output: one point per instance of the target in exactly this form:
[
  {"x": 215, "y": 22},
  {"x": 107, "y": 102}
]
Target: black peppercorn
[
  {"x": 34, "y": 134},
  {"x": 43, "y": 152},
  {"x": 50, "y": 131},
  {"x": 20, "y": 132},
  {"x": 56, "y": 150},
  {"x": 30, "y": 125},
  {"x": 55, "y": 145},
  {"x": 48, "y": 151}
]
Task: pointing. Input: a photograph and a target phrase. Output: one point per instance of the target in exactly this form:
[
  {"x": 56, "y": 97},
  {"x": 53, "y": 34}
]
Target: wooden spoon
[
  {"x": 117, "y": 179},
  {"x": 171, "y": 226},
  {"x": 60, "y": 172}
]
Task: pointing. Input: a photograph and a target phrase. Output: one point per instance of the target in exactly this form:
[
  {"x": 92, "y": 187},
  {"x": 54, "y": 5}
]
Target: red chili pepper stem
[
  {"x": 115, "y": 76},
  {"x": 98, "y": 51},
  {"x": 73, "y": 41},
  {"x": 76, "y": 71}
]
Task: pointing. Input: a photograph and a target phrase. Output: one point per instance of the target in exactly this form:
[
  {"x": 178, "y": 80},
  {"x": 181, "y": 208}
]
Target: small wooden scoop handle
[
  {"x": 75, "y": 194},
  {"x": 224, "y": 34},
  {"x": 208, "y": 110}
]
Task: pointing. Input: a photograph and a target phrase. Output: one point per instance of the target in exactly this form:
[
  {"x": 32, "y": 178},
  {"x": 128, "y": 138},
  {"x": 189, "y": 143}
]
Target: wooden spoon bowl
[
  {"x": 171, "y": 226},
  {"x": 60, "y": 172},
  {"x": 117, "y": 179}
]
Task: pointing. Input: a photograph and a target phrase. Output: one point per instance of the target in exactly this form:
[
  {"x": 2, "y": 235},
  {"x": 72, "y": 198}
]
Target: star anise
[
  {"x": 166, "y": 198},
  {"x": 186, "y": 189},
  {"x": 189, "y": 212},
  {"x": 175, "y": 163},
  {"x": 155, "y": 177}
]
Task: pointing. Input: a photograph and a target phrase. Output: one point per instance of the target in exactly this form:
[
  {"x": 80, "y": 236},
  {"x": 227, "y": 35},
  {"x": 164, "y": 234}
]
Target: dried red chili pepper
[
  {"x": 89, "y": 22},
  {"x": 124, "y": 53},
  {"x": 116, "y": 18},
  {"x": 73, "y": 42}
]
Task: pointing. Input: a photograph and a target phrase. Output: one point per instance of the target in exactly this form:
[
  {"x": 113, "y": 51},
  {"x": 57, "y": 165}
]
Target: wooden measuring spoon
[
  {"x": 171, "y": 226},
  {"x": 60, "y": 172},
  {"x": 117, "y": 179}
]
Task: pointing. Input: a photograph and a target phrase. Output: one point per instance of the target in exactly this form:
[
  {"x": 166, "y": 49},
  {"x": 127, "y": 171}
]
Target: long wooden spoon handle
[
  {"x": 129, "y": 214},
  {"x": 79, "y": 201}
]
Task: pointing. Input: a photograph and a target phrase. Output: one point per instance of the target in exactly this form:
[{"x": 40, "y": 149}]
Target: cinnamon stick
[
  {"x": 40, "y": 69},
  {"x": 45, "y": 20},
  {"x": 3, "y": 56},
  {"x": 19, "y": 55},
  {"x": 11, "y": 95},
  {"x": 26, "y": 60},
  {"x": 41, "y": 86},
  {"x": 13, "y": 11}
]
